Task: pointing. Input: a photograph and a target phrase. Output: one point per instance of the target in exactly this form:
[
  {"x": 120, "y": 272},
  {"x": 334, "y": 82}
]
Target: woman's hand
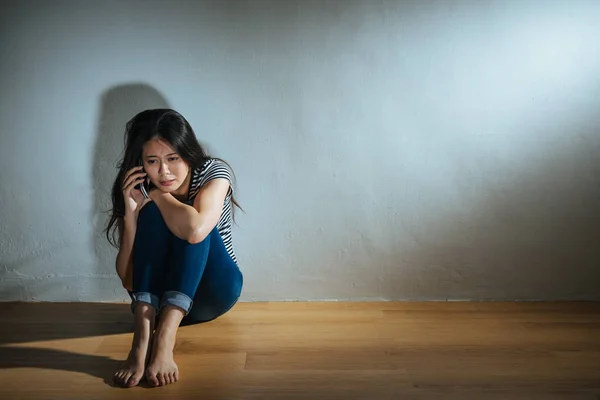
[{"x": 134, "y": 199}]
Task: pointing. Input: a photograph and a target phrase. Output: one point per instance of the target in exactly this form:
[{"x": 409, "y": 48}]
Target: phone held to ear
[{"x": 143, "y": 187}]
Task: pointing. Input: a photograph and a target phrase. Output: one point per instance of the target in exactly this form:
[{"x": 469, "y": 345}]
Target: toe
[
  {"x": 133, "y": 381},
  {"x": 161, "y": 379},
  {"x": 171, "y": 378},
  {"x": 119, "y": 377},
  {"x": 126, "y": 377},
  {"x": 151, "y": 378}
]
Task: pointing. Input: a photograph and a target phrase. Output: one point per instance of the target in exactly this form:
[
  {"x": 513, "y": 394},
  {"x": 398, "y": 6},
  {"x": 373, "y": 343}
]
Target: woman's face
[{"x": 165, "y": 168}]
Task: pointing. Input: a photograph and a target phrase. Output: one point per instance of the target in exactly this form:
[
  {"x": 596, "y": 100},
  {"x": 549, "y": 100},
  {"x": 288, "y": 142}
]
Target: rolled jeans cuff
[
  {"x": 144, "y": 297},
  {"x": 178, "y": 299}
]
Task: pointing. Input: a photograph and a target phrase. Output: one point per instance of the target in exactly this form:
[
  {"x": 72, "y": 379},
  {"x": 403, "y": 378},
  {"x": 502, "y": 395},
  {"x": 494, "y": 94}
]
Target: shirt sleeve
[{"x": 218, "y": 169}]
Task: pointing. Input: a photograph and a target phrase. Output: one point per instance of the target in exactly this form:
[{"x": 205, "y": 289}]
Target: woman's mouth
[{"x": 167, "y": 183}]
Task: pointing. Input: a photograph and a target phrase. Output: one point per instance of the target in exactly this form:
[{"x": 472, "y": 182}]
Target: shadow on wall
[{"x": 118, "y": 105}]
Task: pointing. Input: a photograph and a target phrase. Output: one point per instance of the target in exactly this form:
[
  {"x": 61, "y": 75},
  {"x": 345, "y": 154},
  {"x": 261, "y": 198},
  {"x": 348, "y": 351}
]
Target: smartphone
[{"x": 143, "y": 187}]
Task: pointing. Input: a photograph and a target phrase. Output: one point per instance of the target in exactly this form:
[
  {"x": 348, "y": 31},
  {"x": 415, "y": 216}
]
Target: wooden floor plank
[{"x": 381, "y": 350}]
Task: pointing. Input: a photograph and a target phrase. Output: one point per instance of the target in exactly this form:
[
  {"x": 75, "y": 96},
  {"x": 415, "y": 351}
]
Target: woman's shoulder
[
  {"x": 215, "y": 166},
  {"x": 208, "y": 164},
  {"x": 212, "y": 168}
]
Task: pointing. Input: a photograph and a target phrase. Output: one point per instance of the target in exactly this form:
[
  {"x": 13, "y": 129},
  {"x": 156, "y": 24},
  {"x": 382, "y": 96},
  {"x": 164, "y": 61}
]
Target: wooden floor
[{"x": 373, "y": 351}]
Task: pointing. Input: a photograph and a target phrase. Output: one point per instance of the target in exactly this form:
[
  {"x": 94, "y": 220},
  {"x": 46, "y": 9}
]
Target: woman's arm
[
  {"x": 124, "y": 264},
  {"x": 193, "y": 223}
]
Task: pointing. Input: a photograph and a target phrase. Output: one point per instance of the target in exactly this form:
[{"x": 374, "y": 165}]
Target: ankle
[
  {"x": 164, "y": 341},
  {"x": 142, "y": 333},
  {"x": 165, "y": 336},
  {"x": 140, "y": 343}
]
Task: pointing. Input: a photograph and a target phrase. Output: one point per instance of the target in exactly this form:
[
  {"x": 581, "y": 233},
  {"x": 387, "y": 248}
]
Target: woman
[{"x": 173, "y": 211}]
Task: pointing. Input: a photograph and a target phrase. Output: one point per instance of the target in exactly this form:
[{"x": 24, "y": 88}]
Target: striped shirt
[{"x": 213, "y": 169}]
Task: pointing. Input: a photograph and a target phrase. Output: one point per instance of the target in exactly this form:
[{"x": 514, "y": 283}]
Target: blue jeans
[{"x": 202, "y": 279}]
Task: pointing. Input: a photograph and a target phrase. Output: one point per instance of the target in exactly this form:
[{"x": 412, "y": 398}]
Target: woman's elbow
[{"x": 196, "y": 235}]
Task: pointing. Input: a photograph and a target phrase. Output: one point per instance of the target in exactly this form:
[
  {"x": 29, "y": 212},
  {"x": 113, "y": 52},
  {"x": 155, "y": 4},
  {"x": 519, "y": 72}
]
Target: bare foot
[
  {"x": 132, "y": 370},
  {"x": 162, "y": 369}
]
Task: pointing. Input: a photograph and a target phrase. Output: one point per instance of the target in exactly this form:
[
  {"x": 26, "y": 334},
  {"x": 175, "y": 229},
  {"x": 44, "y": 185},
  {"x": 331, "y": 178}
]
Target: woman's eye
[{"x": 174, "y": 158}]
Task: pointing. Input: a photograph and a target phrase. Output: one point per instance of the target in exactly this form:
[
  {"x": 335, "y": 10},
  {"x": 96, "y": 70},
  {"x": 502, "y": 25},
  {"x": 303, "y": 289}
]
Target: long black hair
[{"x": 167, "y": 125}]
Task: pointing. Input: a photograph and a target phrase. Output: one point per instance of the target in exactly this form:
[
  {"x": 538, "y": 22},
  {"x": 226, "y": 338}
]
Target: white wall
[{"x": 384, "y": 150}]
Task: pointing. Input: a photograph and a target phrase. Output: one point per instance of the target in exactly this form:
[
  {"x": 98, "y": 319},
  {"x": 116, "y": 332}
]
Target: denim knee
[{"x": 150, "y": 210}]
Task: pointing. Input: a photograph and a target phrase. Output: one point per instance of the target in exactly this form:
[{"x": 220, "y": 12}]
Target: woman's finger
[
  {"x": 132, "y": 171},
  {"x": 134, "y": 182},
  {"x": 128, "y": 185},
  {"x": 135, "y": 178}
]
